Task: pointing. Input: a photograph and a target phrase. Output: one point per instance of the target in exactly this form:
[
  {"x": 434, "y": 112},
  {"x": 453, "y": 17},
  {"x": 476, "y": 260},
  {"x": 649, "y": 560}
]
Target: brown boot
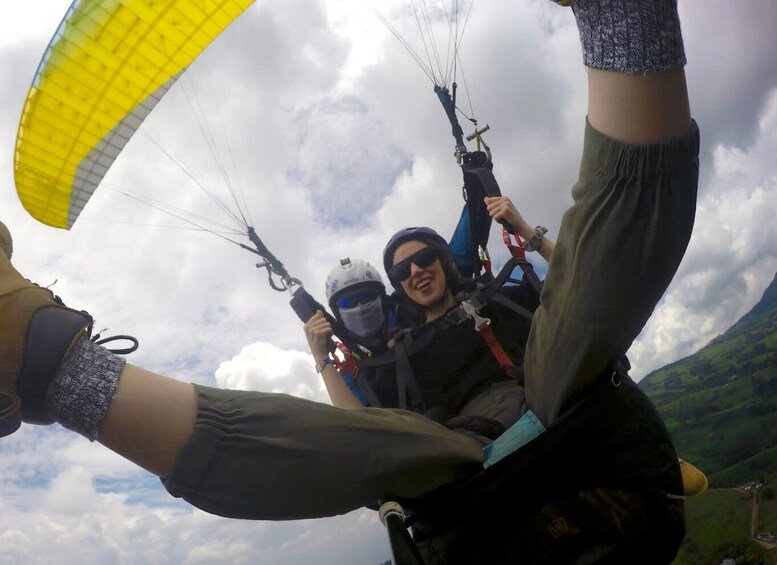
[
  {"x": 6, "y": 241},
  {"x": 36, "y": 331}
]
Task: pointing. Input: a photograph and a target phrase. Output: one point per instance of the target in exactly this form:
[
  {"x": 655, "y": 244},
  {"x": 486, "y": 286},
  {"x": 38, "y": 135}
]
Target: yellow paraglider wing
[{"x": 107, "y": 66}]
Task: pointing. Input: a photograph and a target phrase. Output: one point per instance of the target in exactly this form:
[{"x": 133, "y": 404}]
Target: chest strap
[
  {"x": 483, "y": 327},
  {"x": 407, "y": 386},
  {"x": 472, "y": 305}
]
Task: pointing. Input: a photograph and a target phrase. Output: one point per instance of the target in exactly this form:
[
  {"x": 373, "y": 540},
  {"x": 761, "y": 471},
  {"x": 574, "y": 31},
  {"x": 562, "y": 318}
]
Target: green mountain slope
[{"x": 720, "y": 404}]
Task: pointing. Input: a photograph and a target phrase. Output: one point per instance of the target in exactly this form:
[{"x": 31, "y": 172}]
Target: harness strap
[
  {"x": 518, "y": 251},
  {"x": 369, "y": 392},
  {"x": 469, "y": 309},
  {"x": 496, "y": 348},
  {"x": 305, "y": 306},
  {"x": 407, "y": 386},
  {"x": 411, "y": 344},
  {"x": 534, "y": 280},
  {"x": 514, "y": 306},
  {"x": 483, "y": 327},
  {"x": 398, "y": 356},
  {"x": 481, "y": 296}
]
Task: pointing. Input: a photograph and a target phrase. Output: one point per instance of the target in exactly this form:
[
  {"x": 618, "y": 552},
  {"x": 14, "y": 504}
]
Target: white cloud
[
  {"x": 262, "y": 366},
  {"x": 320, "y": 114},
  {"x": 732, "y": 255}
]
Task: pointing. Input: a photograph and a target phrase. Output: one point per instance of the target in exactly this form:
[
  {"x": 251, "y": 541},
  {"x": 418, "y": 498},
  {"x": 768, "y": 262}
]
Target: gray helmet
[
  {"x": 349, "y": 274},
  {"x": 421, "y": 233}
]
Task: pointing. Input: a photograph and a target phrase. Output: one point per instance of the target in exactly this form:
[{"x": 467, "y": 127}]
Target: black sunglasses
[{"x": 423, "y": 258}]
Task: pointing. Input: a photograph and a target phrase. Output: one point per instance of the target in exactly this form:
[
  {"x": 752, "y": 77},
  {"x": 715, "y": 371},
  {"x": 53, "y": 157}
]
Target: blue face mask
[{"x": 364, "y": 320}]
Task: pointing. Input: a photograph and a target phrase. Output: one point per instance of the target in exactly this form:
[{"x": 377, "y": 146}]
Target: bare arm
[
  {"x": 502, "y": 208},
  {"x": 339, "y": 393},
  {"x": 318, "y": 331}
]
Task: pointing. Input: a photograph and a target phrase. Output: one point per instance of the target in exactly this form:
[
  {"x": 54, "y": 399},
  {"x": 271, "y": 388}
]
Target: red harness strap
[
  {"x": 496, "y": 348},
  {"x": 483, "y": 326},
  {"x": 349, "y": 362},
  {"x": 518, "y": 250}
]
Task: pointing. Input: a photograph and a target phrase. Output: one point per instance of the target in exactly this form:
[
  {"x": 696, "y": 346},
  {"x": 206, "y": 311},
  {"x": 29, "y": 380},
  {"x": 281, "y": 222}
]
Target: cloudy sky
[{"x": 337, "y": 140}]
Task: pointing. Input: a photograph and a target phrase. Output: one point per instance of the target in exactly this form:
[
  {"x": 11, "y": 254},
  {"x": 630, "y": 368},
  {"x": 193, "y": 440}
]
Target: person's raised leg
[
  {"x": 236, "y": 453},
  {"x": 255, "y": 455},
  {"x": 144, "y": 417},
  {"x": 621, "y": 242},
  {"x": 618, "y": 247}
]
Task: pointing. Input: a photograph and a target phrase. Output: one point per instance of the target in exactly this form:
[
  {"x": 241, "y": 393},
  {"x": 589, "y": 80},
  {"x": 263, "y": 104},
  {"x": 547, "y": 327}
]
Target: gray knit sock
[
  {"x": 630, "y": 36},
  {"x": 80, "y": 393}
]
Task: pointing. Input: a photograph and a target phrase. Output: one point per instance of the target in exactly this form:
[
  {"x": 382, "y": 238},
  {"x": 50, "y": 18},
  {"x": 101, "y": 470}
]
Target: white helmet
[{"x": 349, "y": 274}]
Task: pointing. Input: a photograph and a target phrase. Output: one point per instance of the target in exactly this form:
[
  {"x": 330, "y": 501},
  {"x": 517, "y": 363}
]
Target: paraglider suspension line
[{"x": 271, "y": 263}]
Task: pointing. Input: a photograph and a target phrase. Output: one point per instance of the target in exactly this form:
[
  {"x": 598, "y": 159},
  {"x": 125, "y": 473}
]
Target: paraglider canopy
[{"x": 107, "y": 66}]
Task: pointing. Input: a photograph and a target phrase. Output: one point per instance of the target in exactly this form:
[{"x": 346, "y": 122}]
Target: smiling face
[{"x": 425, "y": 286}]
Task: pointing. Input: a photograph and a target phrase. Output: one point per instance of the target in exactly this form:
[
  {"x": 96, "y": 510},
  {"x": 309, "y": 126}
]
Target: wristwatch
[
  {"x": 536, "y": 240},
  {"x": 323, "y": 363}
]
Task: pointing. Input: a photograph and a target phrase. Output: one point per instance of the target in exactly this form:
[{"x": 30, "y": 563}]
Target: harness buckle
[
  {"x": 483, "y": 254},
  {"x": 472, "y": 312}
]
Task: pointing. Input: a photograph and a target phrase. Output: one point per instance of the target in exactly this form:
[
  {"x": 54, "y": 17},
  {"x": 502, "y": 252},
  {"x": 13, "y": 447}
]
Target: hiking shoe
[
  {"x": 36, "y": 332},
  {"x": 694, "y": 481},
  {"x": 6, "y": 241}
]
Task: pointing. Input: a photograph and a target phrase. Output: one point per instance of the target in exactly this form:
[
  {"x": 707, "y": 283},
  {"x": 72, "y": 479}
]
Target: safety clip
[{"x": 472, "y": 312}]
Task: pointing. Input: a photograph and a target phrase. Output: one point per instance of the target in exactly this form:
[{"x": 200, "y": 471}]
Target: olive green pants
[
  {"x": 619, "y": 246},
  {"x": 276, "y": 457}
]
